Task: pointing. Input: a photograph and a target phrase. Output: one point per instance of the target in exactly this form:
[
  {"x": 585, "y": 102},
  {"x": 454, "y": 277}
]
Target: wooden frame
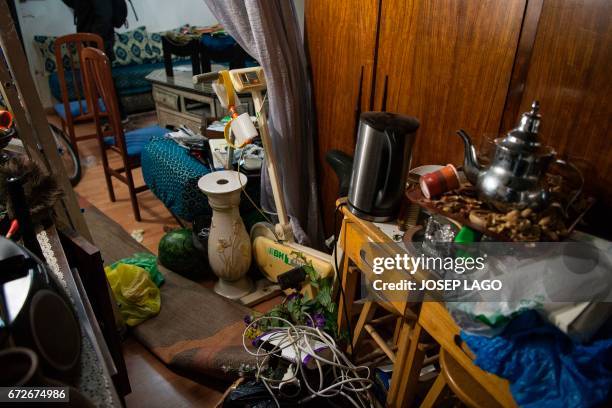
[
  {"x": 97, "y": 74},
  {"x": 74, "y": 44},
  {"x": 87, "y": 260},
  {"x": 22, "y": 98}
]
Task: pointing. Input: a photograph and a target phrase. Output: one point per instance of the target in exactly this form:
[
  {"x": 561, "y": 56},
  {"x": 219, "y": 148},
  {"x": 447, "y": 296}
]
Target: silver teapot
[{"x": 514, "y": 178}]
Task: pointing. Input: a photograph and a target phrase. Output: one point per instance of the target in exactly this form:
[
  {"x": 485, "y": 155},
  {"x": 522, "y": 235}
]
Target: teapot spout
[{"x": 471, "y": 167}]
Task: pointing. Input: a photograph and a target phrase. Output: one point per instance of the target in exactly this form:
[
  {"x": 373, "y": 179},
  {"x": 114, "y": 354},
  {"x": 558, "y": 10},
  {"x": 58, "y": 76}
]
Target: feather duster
[{"x": 41, "y": 189}]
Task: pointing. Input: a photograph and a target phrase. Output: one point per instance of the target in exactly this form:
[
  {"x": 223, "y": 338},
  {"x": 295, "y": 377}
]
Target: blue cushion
[
  {"x": 135, "y": 140},
  {"x": 75, "y": 109}
]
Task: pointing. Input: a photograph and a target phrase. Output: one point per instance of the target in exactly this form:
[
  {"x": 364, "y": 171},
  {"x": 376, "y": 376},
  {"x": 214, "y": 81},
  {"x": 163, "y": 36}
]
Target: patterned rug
[{"x": 196, "y": 331}]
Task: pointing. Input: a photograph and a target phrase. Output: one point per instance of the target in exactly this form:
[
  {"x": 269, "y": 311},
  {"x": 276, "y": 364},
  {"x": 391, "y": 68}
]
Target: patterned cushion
[
  {"x": 46, "y": 47},
  {"x": 155, "y": 46},
  {"x": 131, "y": 47}
]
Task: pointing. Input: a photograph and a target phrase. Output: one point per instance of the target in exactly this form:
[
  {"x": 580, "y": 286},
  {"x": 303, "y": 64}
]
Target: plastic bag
[
  {"x": 138, "y": 297},
  {"x": 146, "y": 261}
]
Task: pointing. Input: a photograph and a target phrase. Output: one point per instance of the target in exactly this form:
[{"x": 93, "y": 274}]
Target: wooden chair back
[
  {"x": 98, "y": 77},
  {"x": 68, "y": 50}
]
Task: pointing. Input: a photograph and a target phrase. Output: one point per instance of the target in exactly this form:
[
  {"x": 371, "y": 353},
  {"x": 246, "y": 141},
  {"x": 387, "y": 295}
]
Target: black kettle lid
[{"x": 392, "y": 122}]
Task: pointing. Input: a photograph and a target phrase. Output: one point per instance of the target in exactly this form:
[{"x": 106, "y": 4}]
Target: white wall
[{"x": 52, "y": 17}]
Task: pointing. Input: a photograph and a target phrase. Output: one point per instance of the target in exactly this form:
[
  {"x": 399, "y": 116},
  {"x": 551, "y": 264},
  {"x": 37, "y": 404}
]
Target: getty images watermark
[
  {"x": 488, "y": 271},
  {"x": 412, "y": 264}
]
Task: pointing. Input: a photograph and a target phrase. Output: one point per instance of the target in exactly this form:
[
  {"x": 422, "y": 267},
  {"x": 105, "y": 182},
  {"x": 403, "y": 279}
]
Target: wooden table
[
  {"x": 178, "y": 101},
  {"x": 433, "y": 318}
]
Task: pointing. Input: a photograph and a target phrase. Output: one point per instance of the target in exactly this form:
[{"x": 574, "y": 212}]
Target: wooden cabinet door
[
  {"x": 449, "y": 64},
  {"x": 570, "y": 73},
  {"x": 340, "y": 37}
]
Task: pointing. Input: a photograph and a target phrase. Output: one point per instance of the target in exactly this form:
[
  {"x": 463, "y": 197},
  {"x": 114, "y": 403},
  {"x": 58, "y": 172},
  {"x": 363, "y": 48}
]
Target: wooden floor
[
  {"x": 155, "y": 217},
  {"x": 153, "y": 384}
]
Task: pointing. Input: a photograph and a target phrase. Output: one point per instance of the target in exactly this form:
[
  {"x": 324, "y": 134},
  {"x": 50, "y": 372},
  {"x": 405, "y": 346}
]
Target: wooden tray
[{"x": 416, "y": 196}]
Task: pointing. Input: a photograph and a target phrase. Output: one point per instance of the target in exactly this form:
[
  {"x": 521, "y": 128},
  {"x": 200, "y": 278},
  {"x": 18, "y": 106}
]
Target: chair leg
[
  {"x": 107, "y": 175},
  {"x": 435, "y": 392},
  {"x": 72, "y": 136},
  {"x": 398, "y": 328},
  {"x": 109, "y": 184},
  {"x": 369, "y": 308},
  {"x": 132, "y": 190}
]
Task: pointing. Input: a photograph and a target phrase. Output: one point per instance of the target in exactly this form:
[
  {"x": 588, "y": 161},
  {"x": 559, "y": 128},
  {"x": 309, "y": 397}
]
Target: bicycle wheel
[{"x": 71, "y": 161}]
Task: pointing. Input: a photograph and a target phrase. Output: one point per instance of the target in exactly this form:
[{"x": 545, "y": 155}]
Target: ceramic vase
[{"x": 229, "y": 245}]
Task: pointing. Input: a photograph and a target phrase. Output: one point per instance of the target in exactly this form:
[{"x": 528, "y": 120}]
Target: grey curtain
[{"x": 269, "y": 31}]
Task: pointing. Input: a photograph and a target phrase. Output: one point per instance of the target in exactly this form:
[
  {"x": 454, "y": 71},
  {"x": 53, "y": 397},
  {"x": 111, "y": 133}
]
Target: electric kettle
[{"x": 381, "y": 163}]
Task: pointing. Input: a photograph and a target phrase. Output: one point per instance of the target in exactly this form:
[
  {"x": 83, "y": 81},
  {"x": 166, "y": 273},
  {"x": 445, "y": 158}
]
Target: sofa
[{"x": 137, "y": 54}]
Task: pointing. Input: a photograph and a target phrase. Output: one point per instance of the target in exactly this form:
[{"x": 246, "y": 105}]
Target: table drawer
[{"x": 166, "y": 99}]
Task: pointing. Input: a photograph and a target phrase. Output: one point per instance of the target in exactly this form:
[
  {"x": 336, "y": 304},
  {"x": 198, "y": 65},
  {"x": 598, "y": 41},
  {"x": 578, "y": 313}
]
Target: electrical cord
[
  {"x": 348, "y": 381},
  {"x": 248, "y": 196}
]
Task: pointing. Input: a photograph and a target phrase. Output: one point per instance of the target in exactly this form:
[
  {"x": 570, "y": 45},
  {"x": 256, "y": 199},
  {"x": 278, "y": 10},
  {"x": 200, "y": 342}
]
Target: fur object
[{"x": 41, "y": 189}]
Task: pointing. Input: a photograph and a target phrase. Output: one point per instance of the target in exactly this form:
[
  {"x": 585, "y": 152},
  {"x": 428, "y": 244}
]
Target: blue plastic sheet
[{"x": 544, "y": 367}]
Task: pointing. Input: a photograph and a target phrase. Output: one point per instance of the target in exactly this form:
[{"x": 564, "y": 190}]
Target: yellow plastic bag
[{"x": 135, "y": 292}]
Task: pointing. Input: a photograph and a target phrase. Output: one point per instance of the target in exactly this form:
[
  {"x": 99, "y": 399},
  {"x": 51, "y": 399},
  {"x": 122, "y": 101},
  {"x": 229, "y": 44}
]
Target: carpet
[{"x": 196, "y": 331}]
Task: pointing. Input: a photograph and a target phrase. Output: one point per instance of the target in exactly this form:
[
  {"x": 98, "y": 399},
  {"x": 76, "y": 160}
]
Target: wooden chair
[
  {"x": 129, "y": 145},
  {"x": 73, "y": 107},
  {"x": 454, "y": 377}
]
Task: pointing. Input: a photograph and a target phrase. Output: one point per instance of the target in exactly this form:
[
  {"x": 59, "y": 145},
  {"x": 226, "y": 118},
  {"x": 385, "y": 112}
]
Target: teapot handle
[{"x": 580, "y": 176}]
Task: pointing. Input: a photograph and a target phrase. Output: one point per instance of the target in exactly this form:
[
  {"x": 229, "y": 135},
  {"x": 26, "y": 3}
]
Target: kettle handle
[
  {"x": 383, "y": 191},
  {"x": 580, "y": 176}
]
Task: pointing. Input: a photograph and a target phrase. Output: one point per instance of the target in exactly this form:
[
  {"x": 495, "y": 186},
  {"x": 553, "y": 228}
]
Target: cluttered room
[{"x": 286, "y": 203}]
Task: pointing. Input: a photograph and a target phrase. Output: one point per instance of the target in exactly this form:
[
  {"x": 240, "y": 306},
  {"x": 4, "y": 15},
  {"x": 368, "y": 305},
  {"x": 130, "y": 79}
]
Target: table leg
[
  {"x": 350, "y": 277},
  {"x": 367, "y": 313},
  {"x": 407, "y": 368}
]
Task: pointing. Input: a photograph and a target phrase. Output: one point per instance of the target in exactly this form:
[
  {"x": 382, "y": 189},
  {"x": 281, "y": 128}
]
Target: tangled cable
[{"x": 347, "y": 381}]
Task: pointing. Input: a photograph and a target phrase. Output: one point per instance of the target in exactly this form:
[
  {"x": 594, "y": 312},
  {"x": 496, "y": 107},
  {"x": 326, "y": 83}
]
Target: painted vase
[{"x": 229, "y": 245}]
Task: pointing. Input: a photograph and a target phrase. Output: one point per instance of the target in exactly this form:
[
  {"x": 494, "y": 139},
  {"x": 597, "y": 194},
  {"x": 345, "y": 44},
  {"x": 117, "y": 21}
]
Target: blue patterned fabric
[
  {"x": 136, "y": 140},
  {"x": 132, "y": 47},
  {"x": 75, "y": 109},
  {"x": 155, "y": 46},
  {"x": 46, "y": 47},
  {"x": 172, "y": 175},
  {"x": 545, "y": 368}
]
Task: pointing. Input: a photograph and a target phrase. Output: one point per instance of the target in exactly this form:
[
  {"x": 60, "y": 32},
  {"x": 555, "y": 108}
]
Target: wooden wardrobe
[{"x": 470, "y": 64}]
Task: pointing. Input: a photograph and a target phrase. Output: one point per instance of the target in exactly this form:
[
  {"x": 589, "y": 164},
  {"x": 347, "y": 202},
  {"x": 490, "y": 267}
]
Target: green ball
[{"x": 177, "y": 252}]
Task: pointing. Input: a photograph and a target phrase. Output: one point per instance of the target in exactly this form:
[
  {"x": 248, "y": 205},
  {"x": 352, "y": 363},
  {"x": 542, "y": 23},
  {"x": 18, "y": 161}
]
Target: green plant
[{"x": 321, "y": 311}]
